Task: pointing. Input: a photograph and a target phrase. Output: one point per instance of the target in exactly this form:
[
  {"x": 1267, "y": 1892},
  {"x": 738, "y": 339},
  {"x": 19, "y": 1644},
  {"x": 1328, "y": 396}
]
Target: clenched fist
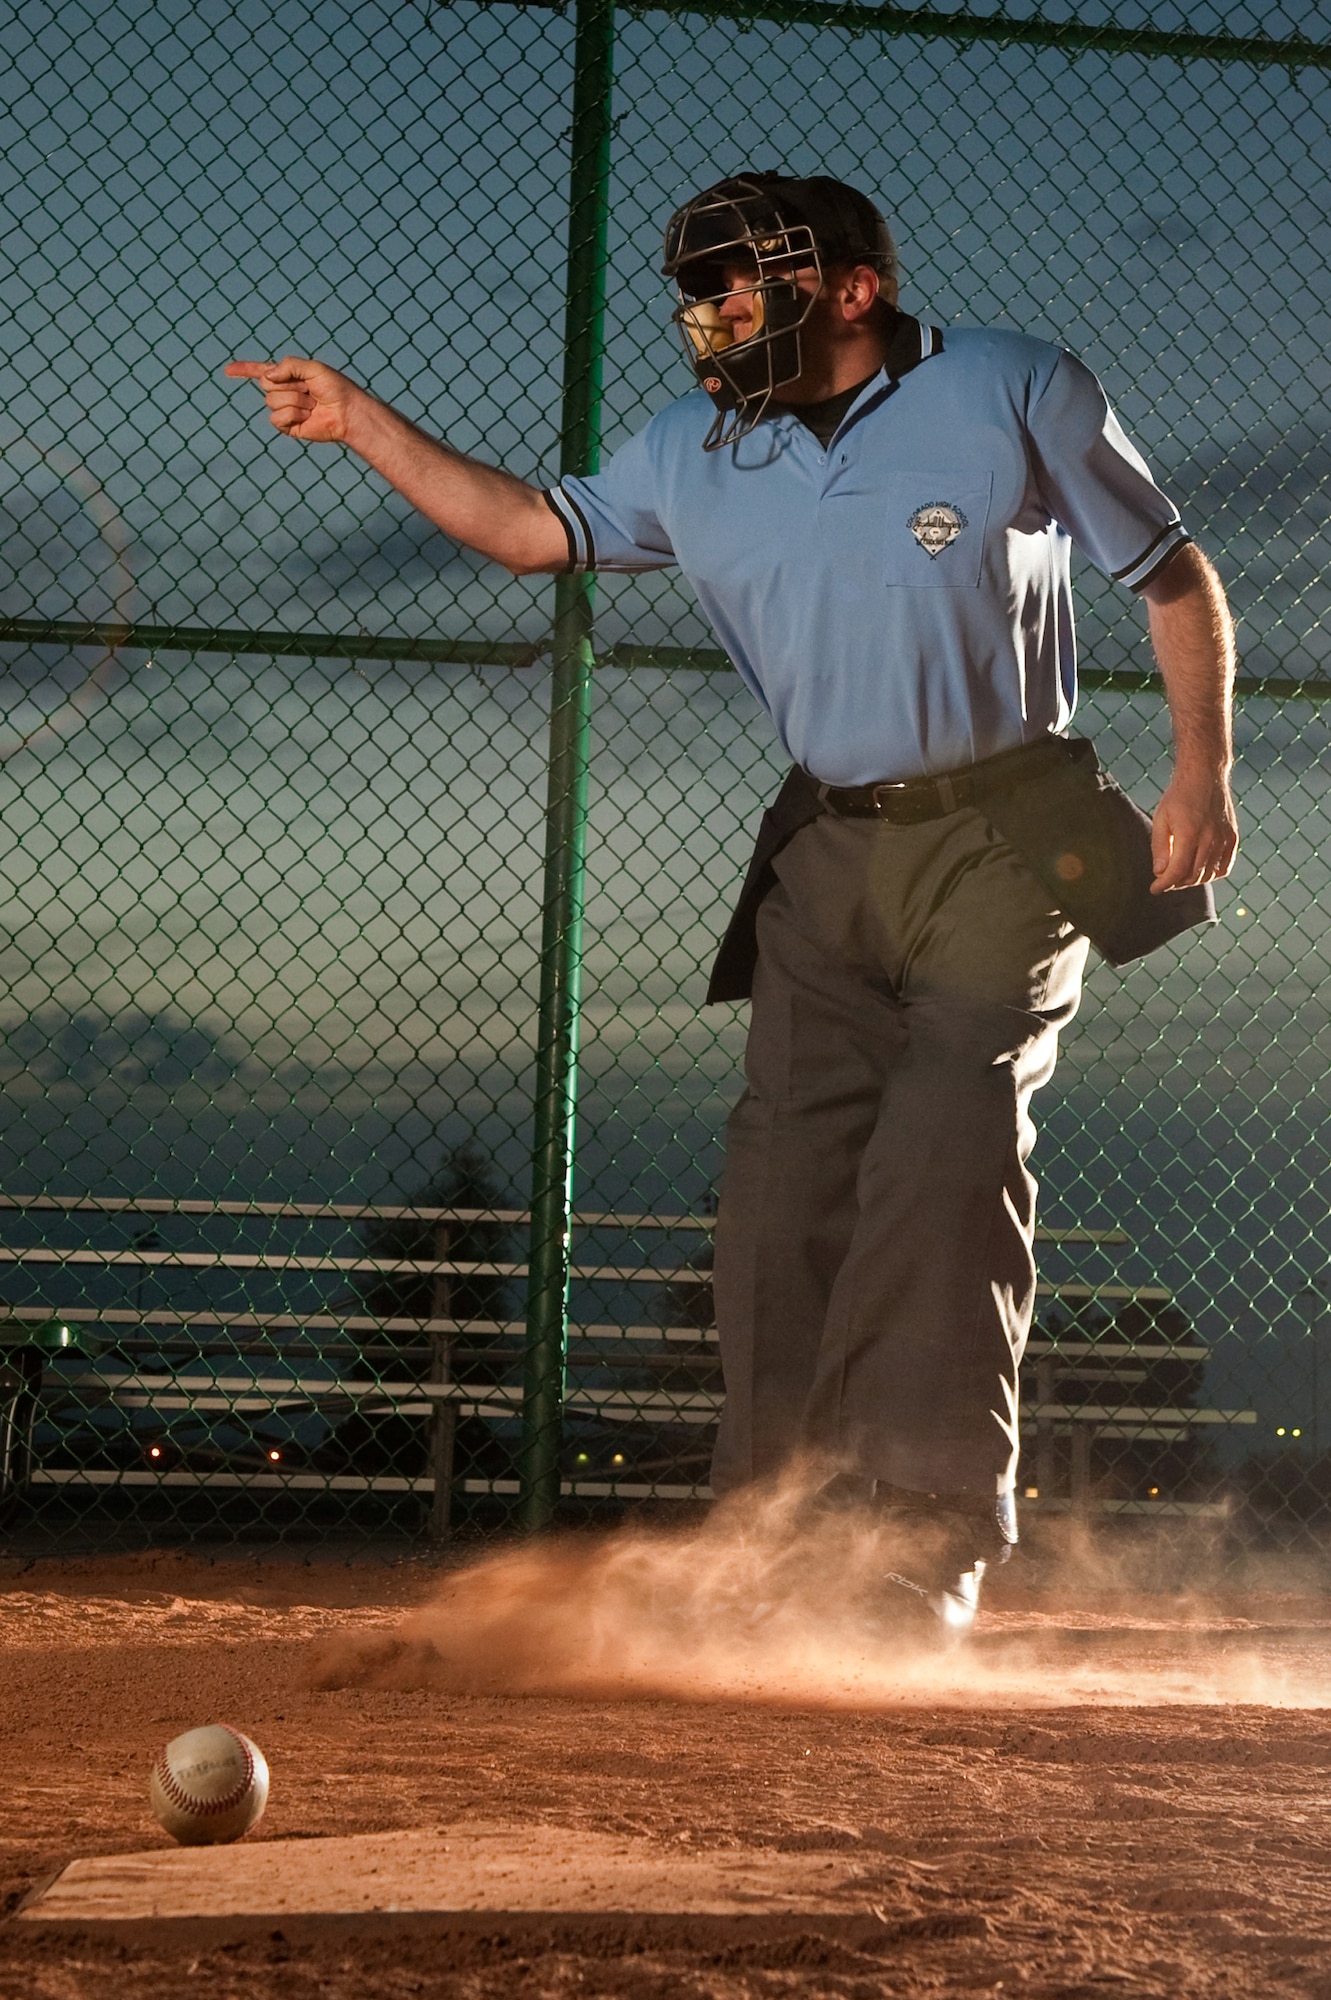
[{"x": 306, "y": 399}]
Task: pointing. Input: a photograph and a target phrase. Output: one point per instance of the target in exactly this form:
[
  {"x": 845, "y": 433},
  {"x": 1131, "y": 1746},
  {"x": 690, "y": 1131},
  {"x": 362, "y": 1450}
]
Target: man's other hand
[
  {"x": 306, "y": 399},
  {"x": 1194, "y": 835}
]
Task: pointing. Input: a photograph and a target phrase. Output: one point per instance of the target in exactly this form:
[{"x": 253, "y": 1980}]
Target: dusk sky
[{"x": 327, "y": 873}]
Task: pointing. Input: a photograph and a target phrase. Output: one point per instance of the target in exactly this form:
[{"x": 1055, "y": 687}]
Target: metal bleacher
[{"x": 645, "y": 1377}]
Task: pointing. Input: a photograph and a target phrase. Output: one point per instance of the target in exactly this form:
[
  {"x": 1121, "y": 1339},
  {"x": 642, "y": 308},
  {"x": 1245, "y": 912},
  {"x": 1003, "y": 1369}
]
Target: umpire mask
[{"x": 771, "y": 227}]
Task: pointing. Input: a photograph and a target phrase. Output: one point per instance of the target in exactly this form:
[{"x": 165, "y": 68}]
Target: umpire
[{"x": 877, "y": 516}]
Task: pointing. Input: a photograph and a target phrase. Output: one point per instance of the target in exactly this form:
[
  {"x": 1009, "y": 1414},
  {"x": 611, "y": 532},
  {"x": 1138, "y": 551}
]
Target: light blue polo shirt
[{"x": 900, "y": 603}]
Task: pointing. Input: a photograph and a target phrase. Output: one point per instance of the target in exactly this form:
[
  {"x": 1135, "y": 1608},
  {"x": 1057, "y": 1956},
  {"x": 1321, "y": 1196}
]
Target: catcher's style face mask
[{"x": 767, "y": 229}]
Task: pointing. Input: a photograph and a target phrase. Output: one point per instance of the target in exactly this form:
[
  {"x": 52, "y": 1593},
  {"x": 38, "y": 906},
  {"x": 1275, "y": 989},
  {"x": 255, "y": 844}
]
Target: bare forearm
[
  {"x": 1193, "y": 637},
  {"x": 1195, "y": 832},
  {"x": 488, "y": 509}
]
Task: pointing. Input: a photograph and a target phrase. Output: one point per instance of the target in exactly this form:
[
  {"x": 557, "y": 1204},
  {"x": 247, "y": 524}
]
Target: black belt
[{"x": 910, "y": 801}]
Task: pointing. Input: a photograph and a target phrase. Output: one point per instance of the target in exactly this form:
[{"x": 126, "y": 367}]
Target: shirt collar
[{"x": 911, "y": 343}]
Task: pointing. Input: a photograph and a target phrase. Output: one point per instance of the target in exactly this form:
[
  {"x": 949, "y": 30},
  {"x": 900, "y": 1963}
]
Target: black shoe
[
  {"x": 940, "y": 1610},
  {"x": 948, "y": 1541},
  {"x": 843, "y": 1493}
]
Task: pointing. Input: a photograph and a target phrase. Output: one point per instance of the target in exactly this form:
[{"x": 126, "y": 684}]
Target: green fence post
[{"x": 566, "y": 797}]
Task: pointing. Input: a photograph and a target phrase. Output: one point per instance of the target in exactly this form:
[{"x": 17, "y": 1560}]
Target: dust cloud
[{"x": 770, "y": 1601}]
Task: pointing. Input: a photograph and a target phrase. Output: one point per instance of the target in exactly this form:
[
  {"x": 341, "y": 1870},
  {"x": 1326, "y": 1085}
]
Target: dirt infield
[{"x": 1101, "y": 1806}]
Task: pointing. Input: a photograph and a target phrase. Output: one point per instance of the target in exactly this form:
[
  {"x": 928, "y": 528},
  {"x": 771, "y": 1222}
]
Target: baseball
[{"x": 209, "y": 1785}]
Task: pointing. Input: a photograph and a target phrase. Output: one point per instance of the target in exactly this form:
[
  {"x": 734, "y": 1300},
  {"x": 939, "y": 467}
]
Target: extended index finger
[{"x": 289, "y": 369}]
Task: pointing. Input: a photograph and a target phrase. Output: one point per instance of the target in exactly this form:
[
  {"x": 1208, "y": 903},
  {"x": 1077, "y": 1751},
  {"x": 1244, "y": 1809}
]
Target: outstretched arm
[
  {"x": 488, "y": 509},
  {"x": 1195, "y": 835}
]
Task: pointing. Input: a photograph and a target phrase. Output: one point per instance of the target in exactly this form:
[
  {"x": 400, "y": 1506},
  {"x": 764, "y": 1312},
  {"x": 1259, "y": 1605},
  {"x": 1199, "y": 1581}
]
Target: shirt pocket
[{"x": 936, "y": 523}]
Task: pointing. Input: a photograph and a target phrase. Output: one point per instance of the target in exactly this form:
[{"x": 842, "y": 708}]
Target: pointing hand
[{"x": 306, "y": 399}]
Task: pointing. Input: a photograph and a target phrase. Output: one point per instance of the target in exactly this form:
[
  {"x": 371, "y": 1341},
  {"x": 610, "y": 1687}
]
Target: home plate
[{"x": 489, "y": 1866}]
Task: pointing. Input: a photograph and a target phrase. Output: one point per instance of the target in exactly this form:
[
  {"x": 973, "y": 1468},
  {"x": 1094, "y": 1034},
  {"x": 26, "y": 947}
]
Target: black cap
[{"x": 845, "y": 225}]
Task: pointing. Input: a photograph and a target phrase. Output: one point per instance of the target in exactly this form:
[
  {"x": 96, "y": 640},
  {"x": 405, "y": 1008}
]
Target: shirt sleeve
[
  {"x": 1095, "y": 481},
  {"x": 610, "y": 518}
]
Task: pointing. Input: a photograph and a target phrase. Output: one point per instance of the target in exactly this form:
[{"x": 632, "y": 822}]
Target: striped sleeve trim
[
  {"x": 1136, "y": 575},
  {"x": 931, "y": 341},
  {"x": 581, "y": 547}
]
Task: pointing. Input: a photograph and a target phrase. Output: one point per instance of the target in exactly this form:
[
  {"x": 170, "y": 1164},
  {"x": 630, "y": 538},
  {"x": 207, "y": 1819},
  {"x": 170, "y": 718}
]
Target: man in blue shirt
[{"x": 877, "y": 517}]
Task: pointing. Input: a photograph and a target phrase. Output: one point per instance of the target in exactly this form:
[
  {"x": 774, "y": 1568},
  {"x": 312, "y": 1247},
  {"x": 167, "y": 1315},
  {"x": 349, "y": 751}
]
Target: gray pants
[{"x": 874, "y": 1270}]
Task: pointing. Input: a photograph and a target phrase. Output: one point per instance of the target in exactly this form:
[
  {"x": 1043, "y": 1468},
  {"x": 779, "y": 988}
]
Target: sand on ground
[{"x": 1126, "y": 1800}]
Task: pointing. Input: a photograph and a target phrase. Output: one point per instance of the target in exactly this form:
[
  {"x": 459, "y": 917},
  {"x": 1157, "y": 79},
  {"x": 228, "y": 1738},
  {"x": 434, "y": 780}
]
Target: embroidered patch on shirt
[{"x": 936, "y": 525}]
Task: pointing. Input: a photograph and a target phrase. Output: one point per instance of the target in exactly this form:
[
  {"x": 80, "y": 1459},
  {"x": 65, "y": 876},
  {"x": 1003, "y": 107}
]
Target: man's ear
[{"x": 859, "y": 291}]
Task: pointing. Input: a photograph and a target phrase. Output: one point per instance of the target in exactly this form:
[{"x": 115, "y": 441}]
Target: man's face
[
  {"x": 758, "y": 328},
  {"x": 741, "y": 308}
]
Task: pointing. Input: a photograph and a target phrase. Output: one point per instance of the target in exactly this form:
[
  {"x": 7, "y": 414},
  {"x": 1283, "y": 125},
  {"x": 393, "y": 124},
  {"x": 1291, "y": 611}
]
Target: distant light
[
  {"x": 1280, "y": 1430},
  {"x": 1296, "y": 1434},
  {"x": 1032, "y": 1492},
  {"x": 1155, "y": 1493},
  {"x": 274, "y": 1455},
  {"x": 155, "y": 1451},
  {"x": 618, "y": 1458},
  {"x": 1240, "y": 912},
  {"x": 583, "y": 1459}
]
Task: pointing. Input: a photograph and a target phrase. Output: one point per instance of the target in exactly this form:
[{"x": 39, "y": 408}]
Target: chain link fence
[{"x": 336, "y": 862}]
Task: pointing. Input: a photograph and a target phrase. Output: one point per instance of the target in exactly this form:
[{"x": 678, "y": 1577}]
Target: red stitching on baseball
[{"x": 186, "y": 1802}]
